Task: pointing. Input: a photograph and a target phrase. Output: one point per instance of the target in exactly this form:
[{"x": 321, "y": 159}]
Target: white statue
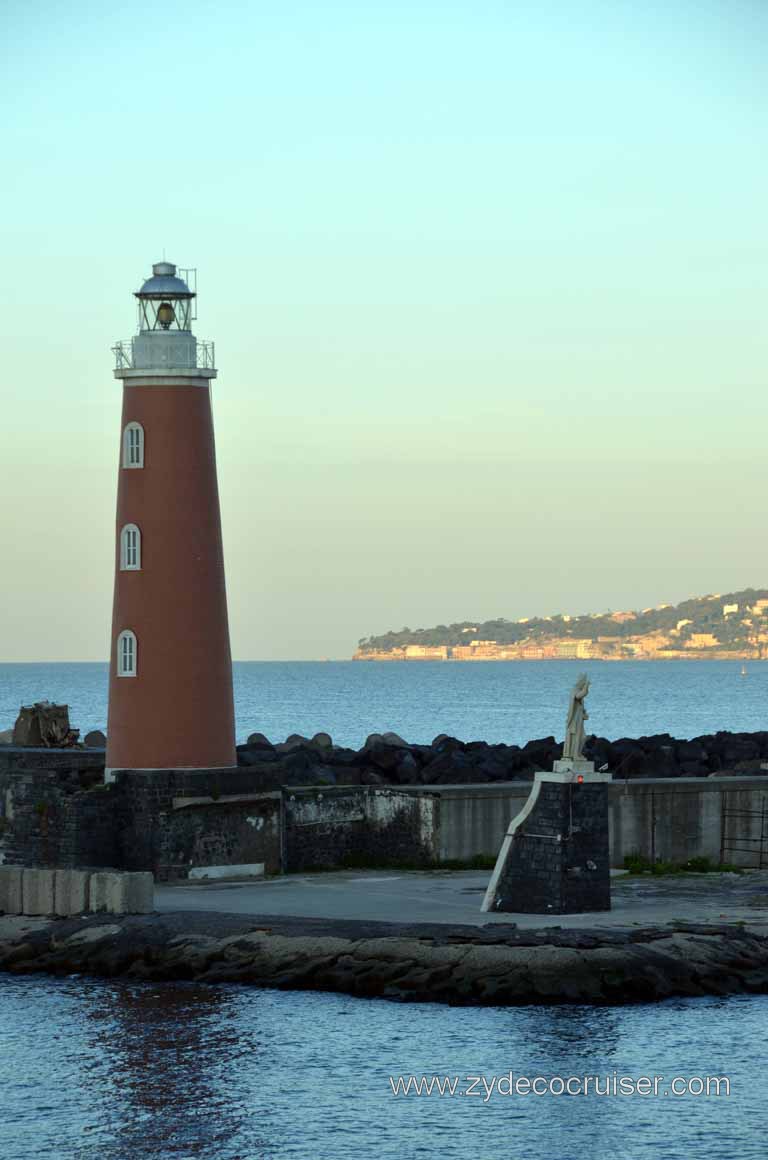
[{"x": 573, "y": 746}]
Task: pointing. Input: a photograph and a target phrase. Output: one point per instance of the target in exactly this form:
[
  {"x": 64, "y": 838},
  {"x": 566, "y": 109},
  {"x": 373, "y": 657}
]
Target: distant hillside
[{"x": 721, "y": 625}]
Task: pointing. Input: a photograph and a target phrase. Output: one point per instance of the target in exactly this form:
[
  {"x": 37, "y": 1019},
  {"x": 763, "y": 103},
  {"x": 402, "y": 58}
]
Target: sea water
[
  {"x": 115, "y": 1070},
  {"x": 509, "y": 701}
]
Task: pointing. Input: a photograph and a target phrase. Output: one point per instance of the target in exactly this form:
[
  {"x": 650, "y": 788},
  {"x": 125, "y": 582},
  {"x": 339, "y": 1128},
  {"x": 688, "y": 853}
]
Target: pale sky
[{"x": 488, "y": 282}]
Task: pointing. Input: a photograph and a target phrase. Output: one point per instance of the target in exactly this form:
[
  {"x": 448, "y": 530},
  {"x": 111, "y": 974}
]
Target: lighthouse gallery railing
[{"x": 199, "y": 355}]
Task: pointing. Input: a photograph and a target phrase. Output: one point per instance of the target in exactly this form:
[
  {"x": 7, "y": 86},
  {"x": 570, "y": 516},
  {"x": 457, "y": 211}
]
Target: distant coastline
[
  {"x": 719, "y": 655},
  {"x": 731, "y": 626}
]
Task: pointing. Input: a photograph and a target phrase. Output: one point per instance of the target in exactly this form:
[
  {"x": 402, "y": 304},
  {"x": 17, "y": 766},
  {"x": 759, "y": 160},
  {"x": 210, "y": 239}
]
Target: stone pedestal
[{"x": 554, "y": 858}]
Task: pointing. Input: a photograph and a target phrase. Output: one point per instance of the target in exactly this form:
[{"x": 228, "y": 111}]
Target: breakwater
[
  {"x": 462, "y": 965},
  {"x": 387, "y": 759}
]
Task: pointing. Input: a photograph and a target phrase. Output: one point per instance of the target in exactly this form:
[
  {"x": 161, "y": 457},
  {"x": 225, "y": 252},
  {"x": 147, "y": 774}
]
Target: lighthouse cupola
[
  {"x": 165, "y": 300},
  {"x": 166, "y": 311}
]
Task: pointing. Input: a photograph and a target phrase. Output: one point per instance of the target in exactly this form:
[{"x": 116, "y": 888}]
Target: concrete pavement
[{"x": 455, "y": 897}]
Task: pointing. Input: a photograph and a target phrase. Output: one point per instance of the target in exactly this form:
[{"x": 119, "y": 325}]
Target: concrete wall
[
  {"x": 473, "y": 819},
  {"x": 232, "y": 831},
  {"x": 354, "y": 825},
  {"x": 689, "y": 817},
  {"x": 664, "y": 818}
]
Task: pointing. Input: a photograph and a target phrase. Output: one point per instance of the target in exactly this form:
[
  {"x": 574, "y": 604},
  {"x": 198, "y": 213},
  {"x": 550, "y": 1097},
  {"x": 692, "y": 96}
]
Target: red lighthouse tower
[{"x": 170, "y": 690}]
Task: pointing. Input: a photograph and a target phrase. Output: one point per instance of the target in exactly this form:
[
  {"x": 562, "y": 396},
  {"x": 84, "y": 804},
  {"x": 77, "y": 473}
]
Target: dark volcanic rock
[
  {"x": 371, "y": 777},
  {"x": 341, "y": 756},
  {"x": 690, "y": 751},
  {"x": 394, "y": 739},
  {"x": 408, "y": 771},
  {"x": 258, "y": 739},
  {"x": 451, "y": 766},
  {"x": 493, "y": 770},
  {"x": 295, "y": 741},
  {"x": 740, "y": 747},
  {"x": 693, "y": 769},
  {"x": 542, "y": 753},
  {"x": 491, "y": 965},
  {"x": 386, "y": 759}
]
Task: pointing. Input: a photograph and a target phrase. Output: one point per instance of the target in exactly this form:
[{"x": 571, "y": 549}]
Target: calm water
[
  {"x": 110, "y": 1071},
  {"x": 494, "y": 701}
]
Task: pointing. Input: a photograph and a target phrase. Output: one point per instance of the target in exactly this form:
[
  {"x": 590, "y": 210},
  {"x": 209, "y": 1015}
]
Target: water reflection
[
  {"x": 565, "y": 1036},
  {"x": 162, "y": 1057}
]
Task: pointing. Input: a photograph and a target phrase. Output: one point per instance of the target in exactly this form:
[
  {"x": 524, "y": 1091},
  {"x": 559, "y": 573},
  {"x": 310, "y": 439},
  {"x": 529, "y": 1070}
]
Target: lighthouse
[{"x": 170, "y": 685}]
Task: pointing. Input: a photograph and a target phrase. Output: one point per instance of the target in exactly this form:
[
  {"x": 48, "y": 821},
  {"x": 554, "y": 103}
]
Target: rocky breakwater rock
[
  {"x": 492, "y": 965},
  {"x": 387, "y": 759}
]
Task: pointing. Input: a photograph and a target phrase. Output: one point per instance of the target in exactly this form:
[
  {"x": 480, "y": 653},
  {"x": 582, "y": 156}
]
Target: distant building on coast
[{"x": 419, "y": 652}]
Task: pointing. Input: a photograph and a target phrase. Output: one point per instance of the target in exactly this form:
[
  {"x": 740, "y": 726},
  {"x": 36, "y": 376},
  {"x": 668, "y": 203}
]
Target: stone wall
[
  {"x": 46, "y": 819},
  {"x": 164, "y": 821},
  {"x": 84, "y": 762},
  {"x": 359, "y": 826},
  {"x": 172, "y": 820}
]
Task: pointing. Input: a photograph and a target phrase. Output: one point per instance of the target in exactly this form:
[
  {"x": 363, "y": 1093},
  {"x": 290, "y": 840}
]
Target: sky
[{"x": 488, "y": 283}]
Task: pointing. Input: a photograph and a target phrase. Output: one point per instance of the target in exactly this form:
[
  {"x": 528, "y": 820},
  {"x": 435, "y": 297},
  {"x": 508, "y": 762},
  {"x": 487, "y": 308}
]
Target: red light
[{"x": 580, "y": 778}]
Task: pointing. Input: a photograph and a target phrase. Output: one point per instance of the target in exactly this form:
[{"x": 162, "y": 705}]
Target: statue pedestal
[
  {"x": 579, "y": 767},
  {"x": 554, "y": 858}
]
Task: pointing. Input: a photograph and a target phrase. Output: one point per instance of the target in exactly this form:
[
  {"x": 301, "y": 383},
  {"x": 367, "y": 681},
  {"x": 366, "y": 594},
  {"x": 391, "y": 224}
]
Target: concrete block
[
  {"x": 244, "y": 870},
  {"x": 71, "y": 892},
  {"x": 138, "y": 892},
  {"x": 104, "y": 891},
  {"x": 10, "y": 889},
  {"x": 122, "y": 893},
  {"x": 37, "y": 891}
]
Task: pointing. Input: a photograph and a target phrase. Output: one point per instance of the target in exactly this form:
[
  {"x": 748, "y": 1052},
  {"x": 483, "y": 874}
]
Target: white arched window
[
  {"x": 130, "y": 549},
  {"x": 127, "y": 655},
  {"x": 133, "y": 445}
]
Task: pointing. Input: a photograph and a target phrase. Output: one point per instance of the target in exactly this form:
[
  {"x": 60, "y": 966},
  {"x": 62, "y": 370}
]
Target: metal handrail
[
  {"x": 123, "y": 352},
  {"x": 204, "y": 355}
]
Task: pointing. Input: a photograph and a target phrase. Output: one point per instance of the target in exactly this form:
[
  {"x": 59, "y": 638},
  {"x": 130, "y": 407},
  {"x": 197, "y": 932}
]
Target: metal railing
[
  {"x": 123, "y": 352},
  {"x": 200, "y": 356},
  {"x": 744, "y": 831}
]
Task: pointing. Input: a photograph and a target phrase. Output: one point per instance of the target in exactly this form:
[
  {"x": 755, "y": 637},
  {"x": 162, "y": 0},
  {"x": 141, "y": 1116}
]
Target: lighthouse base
[{"x": 112, "y": 775}]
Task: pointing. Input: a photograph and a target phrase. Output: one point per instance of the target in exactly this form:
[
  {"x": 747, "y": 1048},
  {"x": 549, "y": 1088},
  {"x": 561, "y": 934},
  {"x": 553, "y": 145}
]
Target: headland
[{"x": 721, "y": 626}]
